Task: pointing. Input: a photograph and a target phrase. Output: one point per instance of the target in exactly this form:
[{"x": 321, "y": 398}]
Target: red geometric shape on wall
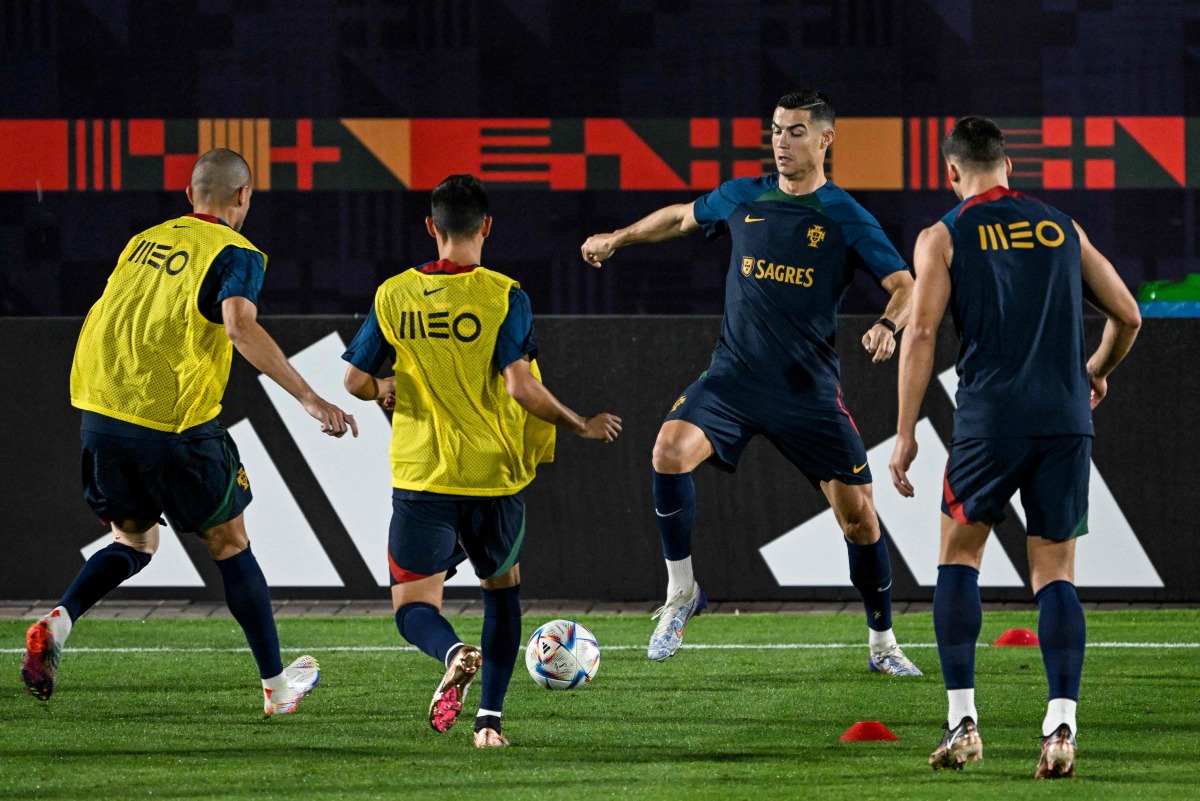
[
  {"x": 1100, "y": 174},
  {"x": 1163, "y": 139},
  {"x": 304, "y": 155},
  {"x": 1056, "y": 174},
  {"x": 640, "y": 167},
  {"x": 705, "y": 133},
  {"x": 177, "y": 170},
  {"x": 747, "y": 169},
  {"x": 146, "y": 138},
  {"x": 747, "y": 132},
  {"x": 1098, "y": 132},
  {"x": 35, "y": 154},
  {"x": 1056, "y": 131},
  {"x": 705, "y": 174}
]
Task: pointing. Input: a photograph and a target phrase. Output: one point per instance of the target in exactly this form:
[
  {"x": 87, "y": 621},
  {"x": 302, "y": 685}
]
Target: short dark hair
[
  {"x": 975, "y": 143},
  {"x": 815, "y": 103},
  {"x": 458, "y": 205}
]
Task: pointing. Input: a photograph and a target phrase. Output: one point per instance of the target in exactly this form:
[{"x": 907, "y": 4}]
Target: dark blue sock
[
  {"x": 100, "y": 575},
  {"x": 423, "y": 626},
  {"x": 249, "y": 600},
  {"x": 1062, "y": 632},
  {"x": 957, "y": 620},
  {"x": 675, "y": 508},
  {"x": 500, "y": 643},
  {"x": 871, "y": 575}
]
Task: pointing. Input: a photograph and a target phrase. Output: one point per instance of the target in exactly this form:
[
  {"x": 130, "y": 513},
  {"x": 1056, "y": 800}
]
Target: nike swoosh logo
[
  {"x": 884, "y": 588},
  {"x": 668, "y": 514},
  {"x": 181, "y": 226},
  {"x": 754, "y": 219},
  {"x": 431, "y": 291},
  {"x": 859, "y": 469}
]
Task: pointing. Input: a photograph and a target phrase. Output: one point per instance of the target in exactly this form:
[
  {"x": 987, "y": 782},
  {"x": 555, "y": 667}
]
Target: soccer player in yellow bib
[
  {"x": 149, "y": 373},
  {"x": 471, "y": 421}
]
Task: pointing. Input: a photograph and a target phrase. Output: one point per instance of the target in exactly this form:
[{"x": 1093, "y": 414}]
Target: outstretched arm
[
  {"x": 1105, "y": 290},
  {"x": 535, "y": 398},
  {"x": 256, "y": 345},
  {"x": 931, "y": 293},
  {"x": 879, "y": 340},
  {"x": 670, "y": 222}
]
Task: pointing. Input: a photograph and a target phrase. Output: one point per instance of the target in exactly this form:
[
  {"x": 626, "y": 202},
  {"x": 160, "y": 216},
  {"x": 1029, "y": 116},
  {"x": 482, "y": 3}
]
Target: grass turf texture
[{"x": 738, "y": 723}]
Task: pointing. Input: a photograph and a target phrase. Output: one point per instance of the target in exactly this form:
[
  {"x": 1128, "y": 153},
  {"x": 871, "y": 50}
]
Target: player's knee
[
  {"x": 141, "y": 537},
  {"x": 861, "y": 529},
  {"x": 669, "y": 457},
  {"x": 223, "y": 544},
  {"x": 503, "y": 581}
]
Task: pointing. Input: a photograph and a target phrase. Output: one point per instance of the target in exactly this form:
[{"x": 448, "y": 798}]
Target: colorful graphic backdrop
[{"x": 871, "y": 153}]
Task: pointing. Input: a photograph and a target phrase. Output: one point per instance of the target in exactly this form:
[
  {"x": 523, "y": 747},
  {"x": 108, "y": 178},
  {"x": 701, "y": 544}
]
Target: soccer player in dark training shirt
[
  {"x": 797, "y": 239},
  {"x": 1015, "y": 273}
]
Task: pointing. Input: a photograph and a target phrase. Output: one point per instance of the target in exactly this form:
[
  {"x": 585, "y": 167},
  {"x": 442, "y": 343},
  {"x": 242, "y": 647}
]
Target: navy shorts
[
  {"x": 195, "y": 478},
  {"x": 429, "y": 535},
  {"x": 821, "y": 440},
  {"x": 1052, "y": 473}
]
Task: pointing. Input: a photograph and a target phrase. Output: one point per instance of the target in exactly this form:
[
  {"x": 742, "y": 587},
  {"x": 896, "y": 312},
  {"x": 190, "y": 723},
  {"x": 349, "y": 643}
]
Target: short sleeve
[
  {"x": 242, "y": 273},
  {"x": 515, "y": 340},
  {"x": 712, "y": 210},
  {"x": 369, "y": 350},
  {"x": 865, "y": 237},
  {"x": 235, "y": 273}
]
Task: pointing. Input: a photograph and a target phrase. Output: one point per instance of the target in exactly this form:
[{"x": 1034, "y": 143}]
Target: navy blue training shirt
[
  {"x": 1017, "y": 302},
  {"x": 793, "y": 258}
]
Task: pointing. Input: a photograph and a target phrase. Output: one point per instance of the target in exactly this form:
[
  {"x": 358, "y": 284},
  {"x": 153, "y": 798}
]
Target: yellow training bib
[
  {"x": 455, "y": 429},
  {"x": 146, "y": 355}
]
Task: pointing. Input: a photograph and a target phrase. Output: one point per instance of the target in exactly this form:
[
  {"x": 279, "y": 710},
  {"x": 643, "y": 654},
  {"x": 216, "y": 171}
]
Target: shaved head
[{"x": 219, "y": 174}]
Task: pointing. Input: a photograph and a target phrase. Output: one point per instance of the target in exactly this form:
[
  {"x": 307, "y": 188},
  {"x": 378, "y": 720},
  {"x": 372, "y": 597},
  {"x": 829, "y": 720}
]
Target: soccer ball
[{"x": 562, "y": 655}]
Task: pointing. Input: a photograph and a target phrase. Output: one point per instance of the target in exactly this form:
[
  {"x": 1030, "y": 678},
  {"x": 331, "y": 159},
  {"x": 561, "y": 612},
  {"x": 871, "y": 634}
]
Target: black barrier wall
[{"x": 318, "y": 523}]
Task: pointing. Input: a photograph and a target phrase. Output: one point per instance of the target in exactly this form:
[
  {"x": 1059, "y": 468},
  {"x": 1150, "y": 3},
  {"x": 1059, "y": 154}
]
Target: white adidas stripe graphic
[{"x": 354, "y": 475}]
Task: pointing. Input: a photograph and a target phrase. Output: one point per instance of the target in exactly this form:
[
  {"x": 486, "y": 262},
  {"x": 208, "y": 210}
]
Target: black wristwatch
[{"x": 886, "y": 323}]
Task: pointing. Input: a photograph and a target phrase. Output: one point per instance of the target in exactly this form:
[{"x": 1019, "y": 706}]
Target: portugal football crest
[
  {"x": 816, "y": 235},
  {"x": 747, "y": 265}
]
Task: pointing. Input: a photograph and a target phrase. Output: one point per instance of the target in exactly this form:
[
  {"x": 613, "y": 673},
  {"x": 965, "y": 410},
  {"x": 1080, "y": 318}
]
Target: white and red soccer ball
[{"x": 562, "y": 655}]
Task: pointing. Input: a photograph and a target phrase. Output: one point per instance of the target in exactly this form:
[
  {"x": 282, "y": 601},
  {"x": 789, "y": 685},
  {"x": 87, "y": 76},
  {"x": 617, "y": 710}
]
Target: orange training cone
[
  {"x": 1017, "y": 637},
  {"x": 866, "y": 731}
]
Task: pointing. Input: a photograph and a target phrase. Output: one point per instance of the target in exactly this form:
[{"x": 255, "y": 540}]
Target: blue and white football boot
[
  {"x": 893, "y": 662},
  {"x": 672, "y": 618}
]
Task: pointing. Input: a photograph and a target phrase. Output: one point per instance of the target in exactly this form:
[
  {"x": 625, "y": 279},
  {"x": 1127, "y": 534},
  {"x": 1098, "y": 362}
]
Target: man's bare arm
[
  {"x": 256, "y": 345},
  {"x": 669, "y": 222},
  {"x": 931, "y": 293},
  {"x": 1105, "y": 290},
  {"x": 365, "y": 386},
  {"x": 535, "y": 398},
  {"x": 879, "y": 340}
]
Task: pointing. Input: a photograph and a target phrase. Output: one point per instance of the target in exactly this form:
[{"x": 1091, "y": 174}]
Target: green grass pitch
[{"x": 740, "y": 722}]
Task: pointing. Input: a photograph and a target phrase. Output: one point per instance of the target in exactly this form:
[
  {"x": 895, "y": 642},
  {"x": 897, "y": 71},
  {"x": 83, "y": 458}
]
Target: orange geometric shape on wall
[
  {"x": 868, "y": 153},
  {"x": 390, "y": 141}
]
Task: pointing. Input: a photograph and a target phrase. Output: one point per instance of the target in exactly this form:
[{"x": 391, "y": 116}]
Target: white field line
[{"x": 775, "y": 646}]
